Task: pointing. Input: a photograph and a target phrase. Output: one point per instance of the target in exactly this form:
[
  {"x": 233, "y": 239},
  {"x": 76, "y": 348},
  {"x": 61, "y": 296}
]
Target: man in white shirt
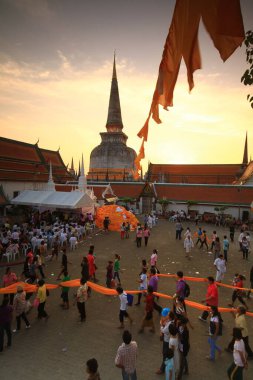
[
  {"x": 123, "y": 307},
  {"x": 220, "y": 265}
]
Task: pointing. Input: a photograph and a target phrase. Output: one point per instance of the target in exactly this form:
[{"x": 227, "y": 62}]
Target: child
[
  {"x": 217, "y": 248},
  {"x": 116, "y": 268},
  {"x": 109, "y": 274},
  {"x": 55, "y": 248},
  {"x": 153, "y": 258},
  {"x": 203, "y": 240},
  {"x": 143, "y": 284},
  {"x": 184, "y": 347},
  {"x": 123, "y": 307},
  {"x": 188, "y": 245},
  {"x": 64, "y": 264},
  {"x": 65, "y": 292},
  {"x": 174, "y": 345},
  {"x": 169, "y": 365},
  {"x": 139, "y": 235},
  {"x": 214, "y": 236},
  {"x": 148, "y": 318},
  {"x": 146, "y": 234},
  {"x": 143, "y": 266},
  {"x": 127, "y": 229},
  {"x": 122, "y": 230},
  {"x": 225, "y": 247},
  {"x": 237, "y": 293}
]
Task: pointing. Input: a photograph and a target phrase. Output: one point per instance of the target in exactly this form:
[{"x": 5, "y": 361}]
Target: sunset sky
[{"x": 55, "y": 76}]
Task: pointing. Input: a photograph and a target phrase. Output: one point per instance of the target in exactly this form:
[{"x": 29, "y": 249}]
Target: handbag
[{"x": 36, "y": 302}]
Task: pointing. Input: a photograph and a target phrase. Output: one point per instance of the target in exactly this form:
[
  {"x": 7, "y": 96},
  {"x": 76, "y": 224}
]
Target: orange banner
[{"x": 110, "y": 292}]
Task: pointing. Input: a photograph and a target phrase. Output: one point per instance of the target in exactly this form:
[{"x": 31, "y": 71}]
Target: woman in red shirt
[{"x": 92, "y": 266}]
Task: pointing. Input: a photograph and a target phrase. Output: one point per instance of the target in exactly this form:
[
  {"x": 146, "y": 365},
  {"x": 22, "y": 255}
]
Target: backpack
[
  {"x": 130, "y": 299},
  {"x": 220, "y": 324},
  {"x": 220, "y": 327},
  {"x": 187, "y": 290},
  {"x": 212, "y": 326}
]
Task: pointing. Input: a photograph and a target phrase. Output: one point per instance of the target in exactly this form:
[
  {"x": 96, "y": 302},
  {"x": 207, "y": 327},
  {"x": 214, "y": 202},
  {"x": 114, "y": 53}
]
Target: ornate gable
[{"x": 148, "y": 191}]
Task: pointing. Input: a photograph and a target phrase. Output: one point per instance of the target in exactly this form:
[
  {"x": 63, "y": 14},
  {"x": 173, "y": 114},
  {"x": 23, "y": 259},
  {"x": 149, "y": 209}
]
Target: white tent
[{"x": 54, "y": 199}]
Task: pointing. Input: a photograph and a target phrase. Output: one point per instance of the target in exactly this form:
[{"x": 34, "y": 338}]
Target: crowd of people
[
  {"x": 47, "y": 242},
  {"x": 43, "y": 237}
]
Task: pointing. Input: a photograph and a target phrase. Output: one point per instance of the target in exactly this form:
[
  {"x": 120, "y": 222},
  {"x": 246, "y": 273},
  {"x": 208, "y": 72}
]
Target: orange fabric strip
[{"x": 110, "y": 292}]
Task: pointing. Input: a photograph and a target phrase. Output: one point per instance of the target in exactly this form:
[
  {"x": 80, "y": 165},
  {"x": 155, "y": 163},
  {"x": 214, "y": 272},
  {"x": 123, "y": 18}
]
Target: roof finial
[
  {"x": 50, "y": 184},
  {"x": 82, "y": 182},
  {"x": 37, "y": 141},
  {"x": 114, "y": 120},
  {"x": 245, "y": 160},
  {"x": 82, "y": 166},
  {"x": 114, "y": 73}
]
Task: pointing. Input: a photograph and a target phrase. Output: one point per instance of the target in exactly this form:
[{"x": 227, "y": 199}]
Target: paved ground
[{"x": 59, "y": 348}]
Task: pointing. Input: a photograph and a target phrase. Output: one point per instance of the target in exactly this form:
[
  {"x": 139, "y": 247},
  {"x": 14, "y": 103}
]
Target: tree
[
  {"x": 220, "y": 210},
  {"x": 189, "y": 204},
  {"x": 126, "y": 200},
  {"x": 164, "y": 203},
  {"x": 247, "y": 78}
]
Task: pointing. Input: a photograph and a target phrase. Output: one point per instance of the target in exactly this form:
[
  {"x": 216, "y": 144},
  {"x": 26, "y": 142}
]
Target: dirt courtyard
[{"x": 59, "y": 348}]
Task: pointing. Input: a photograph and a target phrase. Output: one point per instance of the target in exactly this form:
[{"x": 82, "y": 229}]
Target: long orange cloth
[{"x": 103, "y": 290}]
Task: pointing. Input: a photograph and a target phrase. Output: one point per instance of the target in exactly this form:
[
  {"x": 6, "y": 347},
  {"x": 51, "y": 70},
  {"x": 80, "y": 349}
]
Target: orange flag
[
  {"x": 137, "y": 161},
  {"x": 223, "y": 21},
  {"x": 143, "y": 133}
]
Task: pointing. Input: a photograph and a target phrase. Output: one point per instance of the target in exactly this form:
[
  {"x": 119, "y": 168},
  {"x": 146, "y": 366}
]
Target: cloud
[
  {"x": 67, "y": 106},
  {"x": 34, "y": 8}
]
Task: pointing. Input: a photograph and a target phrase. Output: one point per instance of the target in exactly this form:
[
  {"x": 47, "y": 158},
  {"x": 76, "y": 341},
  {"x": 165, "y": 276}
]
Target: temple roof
[
  {"x": 214, "y": 194},
  {"x": 199, "y": 173},
  {"x": 205, "y": 194},
  {"x": 20, "y": 161}
]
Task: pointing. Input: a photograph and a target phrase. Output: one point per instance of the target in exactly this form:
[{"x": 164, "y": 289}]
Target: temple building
[
  {"x": 112, "y": 160},
  {"x": 26, "y": 166}
]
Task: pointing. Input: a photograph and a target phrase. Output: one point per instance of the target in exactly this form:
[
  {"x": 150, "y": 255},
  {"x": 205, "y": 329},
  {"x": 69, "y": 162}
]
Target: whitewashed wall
[
  {"x": 10, "y": 187},
  {"x": 236, "y": 212}
]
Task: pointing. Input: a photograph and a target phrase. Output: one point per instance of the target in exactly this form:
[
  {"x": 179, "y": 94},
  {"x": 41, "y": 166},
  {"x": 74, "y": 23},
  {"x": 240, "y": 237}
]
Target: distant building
[
  {"x": 25, "y": 166},
  {"x": 112, "y": 160}
]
